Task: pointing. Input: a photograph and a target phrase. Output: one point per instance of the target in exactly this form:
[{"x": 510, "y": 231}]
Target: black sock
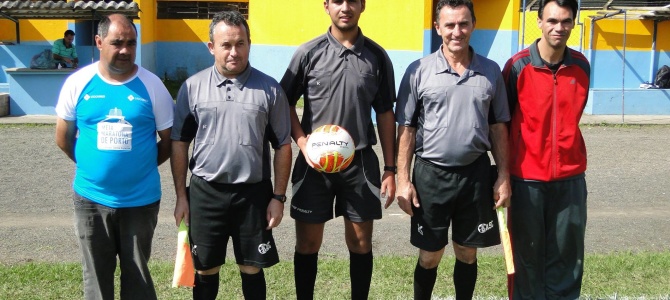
[
  {"x": 360, "y": 273},
  {"x": 465, "y": 277},
  {"x": 253, "y": 285},
  {"x": 305, "y": 267},
  {"x": 206, "y": 287},
  {"x": 424, "y": 281}
]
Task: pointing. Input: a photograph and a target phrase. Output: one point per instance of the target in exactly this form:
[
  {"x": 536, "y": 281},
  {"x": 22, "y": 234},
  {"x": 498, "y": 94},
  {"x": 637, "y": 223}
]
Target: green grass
[{"x": 606, "y": 276}]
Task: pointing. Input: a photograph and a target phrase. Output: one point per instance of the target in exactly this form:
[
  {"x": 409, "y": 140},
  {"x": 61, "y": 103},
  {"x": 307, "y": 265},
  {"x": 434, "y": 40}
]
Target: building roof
[{"x": 72, "y": 10}]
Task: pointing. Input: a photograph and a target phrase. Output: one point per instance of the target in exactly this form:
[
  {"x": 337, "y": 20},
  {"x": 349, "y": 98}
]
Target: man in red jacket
[{"x": 547, "y": 86}]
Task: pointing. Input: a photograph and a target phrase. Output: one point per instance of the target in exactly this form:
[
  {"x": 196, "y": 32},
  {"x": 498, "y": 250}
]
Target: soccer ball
[{"x": 330, "y": 148}]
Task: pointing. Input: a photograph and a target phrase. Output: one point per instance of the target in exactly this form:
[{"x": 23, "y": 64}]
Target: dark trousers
[
  {"x": 548, "y": 222},
  {"x": 105, "y": 233}
]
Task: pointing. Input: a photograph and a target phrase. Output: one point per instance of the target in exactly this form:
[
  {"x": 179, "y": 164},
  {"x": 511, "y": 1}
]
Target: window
[{"x": 198, "y": 9}]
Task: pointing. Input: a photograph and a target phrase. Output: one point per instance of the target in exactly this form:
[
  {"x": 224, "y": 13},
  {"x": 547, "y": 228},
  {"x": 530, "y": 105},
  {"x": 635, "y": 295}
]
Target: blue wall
[
  {"x": 497, "y": 45},
  {"x": 146, "y": 57},
  {"x": 634, "y": 102},
  {"x": 19, "y": 56},
  {"x": 607, "y": 68},
  {"x": 35, "y": 92},
  {"x": 182, "y": 59}
]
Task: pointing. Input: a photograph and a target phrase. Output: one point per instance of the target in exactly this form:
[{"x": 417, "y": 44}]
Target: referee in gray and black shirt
[
  {"x": 234, "y": 113},
  {"x": 343, "y": 76},
  {"x": 452, "y": 108}
]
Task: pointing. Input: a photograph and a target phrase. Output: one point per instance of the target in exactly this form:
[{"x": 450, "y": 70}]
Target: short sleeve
[
  {"x": 280, "y": 119},
  {"x": 293, "y": 80},
  {"x": 185, "y": 126},
  {"x": 406, "y": 108},
  {"x": 65, "y": 107},
  {"x": 499, "y": 105},
  {"x": 386, "y": 96}
]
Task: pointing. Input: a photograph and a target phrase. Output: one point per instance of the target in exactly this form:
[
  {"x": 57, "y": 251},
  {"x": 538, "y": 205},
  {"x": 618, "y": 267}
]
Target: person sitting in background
[{"x": 64, "y": 52}]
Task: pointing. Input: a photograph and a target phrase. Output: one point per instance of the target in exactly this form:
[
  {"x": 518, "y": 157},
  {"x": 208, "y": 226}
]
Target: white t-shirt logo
[{"x": 115, "y": 133}]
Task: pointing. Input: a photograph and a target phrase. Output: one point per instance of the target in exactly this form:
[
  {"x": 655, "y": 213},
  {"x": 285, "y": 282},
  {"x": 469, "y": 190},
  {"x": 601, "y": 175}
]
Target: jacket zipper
[{"x": 554, "y": 125}]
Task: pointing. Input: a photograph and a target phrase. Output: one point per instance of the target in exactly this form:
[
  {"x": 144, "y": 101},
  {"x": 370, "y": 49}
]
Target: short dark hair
[
  {"x": 230, "y": 18},
  {"x": 105, "y": 22},
  {"x": 68, "y": 33},
  {"x": 454, "y": 4},
  {"x": 572, "y": 4}
]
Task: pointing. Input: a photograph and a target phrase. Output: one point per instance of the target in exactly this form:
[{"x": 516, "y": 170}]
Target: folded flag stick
[
  {"x": 184, "y": 272},
  {"x": 507, "y": 248}
]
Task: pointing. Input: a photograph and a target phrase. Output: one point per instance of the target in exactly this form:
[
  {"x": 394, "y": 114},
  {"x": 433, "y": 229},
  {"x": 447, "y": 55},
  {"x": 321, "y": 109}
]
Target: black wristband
[
  {"x": 280, "y": 198},
  {"x": 393, "y": 169}
]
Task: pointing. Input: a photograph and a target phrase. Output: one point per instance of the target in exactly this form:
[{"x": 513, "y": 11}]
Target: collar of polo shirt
[
  {"x": 357, "y": 48},
  {"x": 239, "y": 81},
  {"x": 444, "y": 67}
]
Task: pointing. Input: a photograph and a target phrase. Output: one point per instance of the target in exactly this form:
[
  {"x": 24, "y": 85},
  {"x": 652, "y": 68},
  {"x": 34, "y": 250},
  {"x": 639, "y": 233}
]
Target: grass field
[{"x": 610, "y": 276}]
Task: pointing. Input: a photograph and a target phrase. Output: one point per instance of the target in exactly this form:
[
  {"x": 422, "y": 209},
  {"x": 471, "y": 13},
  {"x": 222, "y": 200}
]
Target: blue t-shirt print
[{"x": 115, "y": 133}]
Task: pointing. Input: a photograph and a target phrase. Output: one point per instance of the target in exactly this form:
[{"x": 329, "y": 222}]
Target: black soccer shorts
[
  {"x": 458, "y": 196},
  {"x": 218, "y": 212},
  {"x": 355, "y": 190}
]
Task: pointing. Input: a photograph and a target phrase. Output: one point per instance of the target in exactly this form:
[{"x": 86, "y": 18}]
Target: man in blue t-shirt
[{"x": 108, "y": 116}]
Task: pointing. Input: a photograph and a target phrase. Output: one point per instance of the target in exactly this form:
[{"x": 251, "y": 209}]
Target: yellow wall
[
  {"x": 609, "y": 34},
  {"x": 33, "y": 30},
  {"x": 428, "y": 12},
  {"x": 184, "y": 30},
  {"x": 147, "y": 20},
  {"x": 662, "y": 40},
  {"x": 489, "y": 16},
  {"x": 395, "y": 26},
  {"x": 8, "y": 30}
]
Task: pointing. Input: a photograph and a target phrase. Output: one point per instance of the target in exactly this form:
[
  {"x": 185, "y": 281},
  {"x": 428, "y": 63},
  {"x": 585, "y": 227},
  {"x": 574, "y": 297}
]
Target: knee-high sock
[
  {"x": 465, "y": 277},
  {"x": 424, "y": 281},
  {"x": 206, "y": 287},
  {"x": 253, "y": 285},
  {"x": 305, "y": 268},
  {"x": 360, "y": 272}
]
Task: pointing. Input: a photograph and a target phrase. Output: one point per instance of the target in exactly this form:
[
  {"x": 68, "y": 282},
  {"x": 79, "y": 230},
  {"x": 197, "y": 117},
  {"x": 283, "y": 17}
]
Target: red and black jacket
[{"x": 545, "y": 141}]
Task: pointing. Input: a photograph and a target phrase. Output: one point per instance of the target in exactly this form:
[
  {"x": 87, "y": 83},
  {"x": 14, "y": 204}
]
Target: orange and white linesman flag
[
  {"x": 507, "y": 248},
  {"x": 184, "y": 272}
]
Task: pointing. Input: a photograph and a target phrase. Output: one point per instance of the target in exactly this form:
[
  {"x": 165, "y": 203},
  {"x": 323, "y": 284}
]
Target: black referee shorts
[
  {"x": 355, "y": 190},
  {"x": 218, "y": 212},
  {"x": 457, "y": 196}
]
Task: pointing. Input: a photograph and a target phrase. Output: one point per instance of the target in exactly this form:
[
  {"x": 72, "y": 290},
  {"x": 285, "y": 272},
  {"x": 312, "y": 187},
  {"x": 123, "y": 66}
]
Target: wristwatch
[
  {"x": 280, "y": 198},
  {"x": 393, "y": 169}
]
